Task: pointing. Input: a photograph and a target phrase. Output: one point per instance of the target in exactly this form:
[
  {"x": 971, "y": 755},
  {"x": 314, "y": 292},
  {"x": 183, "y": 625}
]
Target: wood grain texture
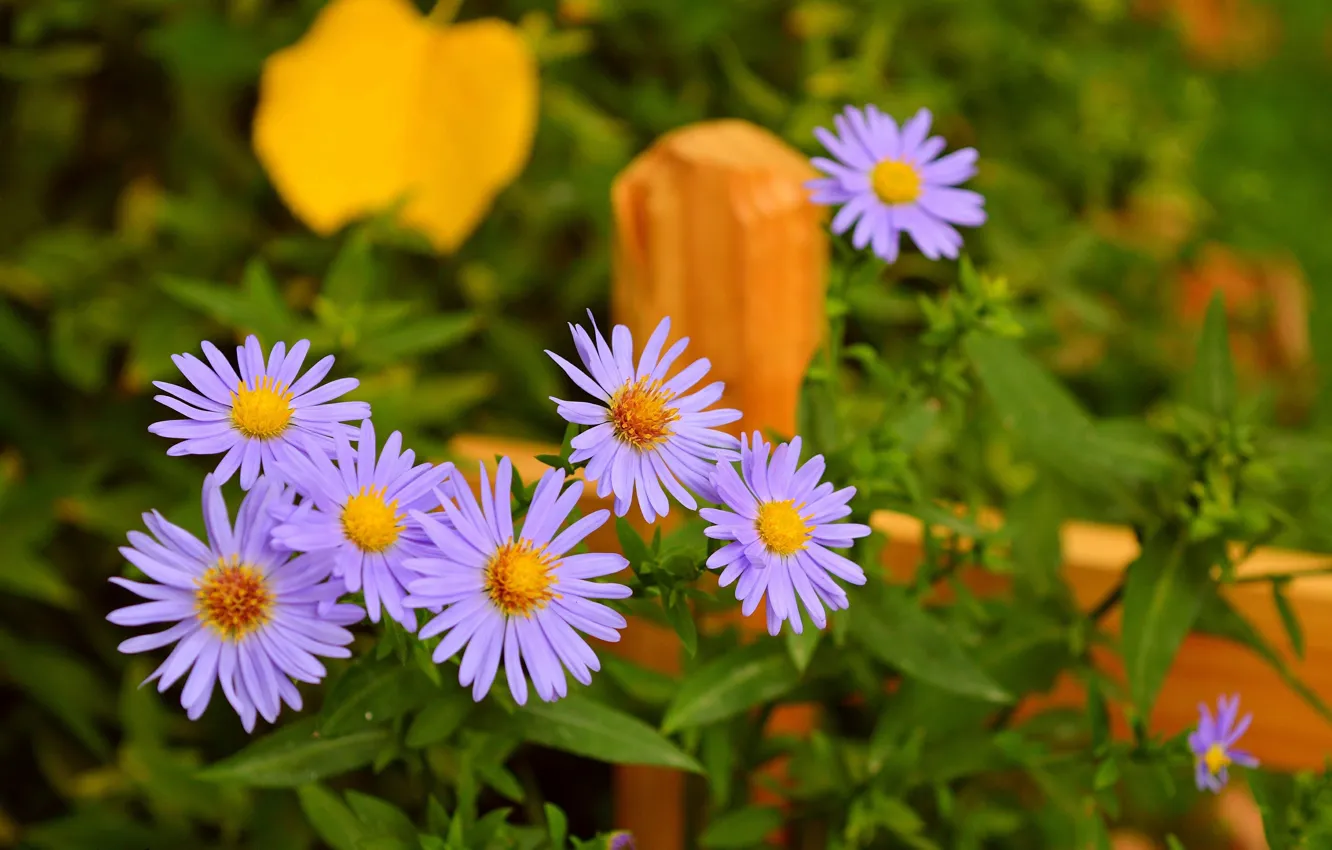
[{"x": 714, "y": 228}]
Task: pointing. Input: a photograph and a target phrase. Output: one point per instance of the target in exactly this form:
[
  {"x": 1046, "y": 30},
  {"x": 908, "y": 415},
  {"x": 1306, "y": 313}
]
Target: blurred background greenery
[{"x": 1136, "y": 155}]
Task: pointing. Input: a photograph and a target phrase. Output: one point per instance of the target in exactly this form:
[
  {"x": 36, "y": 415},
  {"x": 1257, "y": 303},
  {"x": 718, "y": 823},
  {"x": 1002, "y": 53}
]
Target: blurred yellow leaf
[{"x": 377, "y": 106}]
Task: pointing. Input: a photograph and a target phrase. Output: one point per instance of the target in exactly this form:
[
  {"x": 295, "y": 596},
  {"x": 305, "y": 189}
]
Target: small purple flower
[
  {"x": 254, "y": 416},
  {"x": 890, "y": 181},
  {"x": 243, "y": 613},
  {"x": 645, "y": 433},
  {"x": 517, "y": 595},
  {"x": 781, "y": 524},
  {"x": 356, "y": 516},
  {"x": 621, "y": 841},
  {"x": 1213, "y": 744}
]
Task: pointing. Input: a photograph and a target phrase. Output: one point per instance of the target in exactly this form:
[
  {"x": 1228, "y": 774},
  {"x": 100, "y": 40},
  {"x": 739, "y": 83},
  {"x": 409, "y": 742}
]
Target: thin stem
[
  {"x": 1108, "y": 603},
  {"x": 1289, "y": 576}
]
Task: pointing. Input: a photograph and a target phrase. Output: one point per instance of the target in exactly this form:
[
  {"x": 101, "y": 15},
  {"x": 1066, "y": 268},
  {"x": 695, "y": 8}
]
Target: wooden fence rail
[{"x": 714, "y": 229}]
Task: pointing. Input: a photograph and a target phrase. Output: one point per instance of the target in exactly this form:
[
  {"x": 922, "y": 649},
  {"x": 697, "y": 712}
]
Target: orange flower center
[
  {"x": 233, "y": 598},
  {"x": 518, "y": 578},
  {"x": 640, "y": 414},
  {"x": 261, "y": 413},
  {"x": 895, "y": 182},
  {"x": 370, "y": 522},
  {"x": 781, "y": 527},
  {"x": 1216, "y": 758}
]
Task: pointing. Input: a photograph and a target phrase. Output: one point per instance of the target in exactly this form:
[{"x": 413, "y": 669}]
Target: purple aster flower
[
  {"x": 621, "y": 841},
  {"x": 356, "y": 517},
  {"x": 781, "y": 524},
  {"x": 645, "y": 432},
  {"x": 519, "y": 595},
  {"x": 889, "y": 180},
  {"x": 243, "y": 613},
  {"x": 1213, "y": 744},
  {"x": 254, "y": 416}
]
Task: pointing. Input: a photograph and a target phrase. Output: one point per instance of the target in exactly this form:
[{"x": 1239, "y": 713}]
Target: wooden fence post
[{"x": 713, "y": 227}]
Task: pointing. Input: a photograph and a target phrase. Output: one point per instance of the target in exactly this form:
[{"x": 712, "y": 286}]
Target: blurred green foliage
[{"x": 136, "y": 222}]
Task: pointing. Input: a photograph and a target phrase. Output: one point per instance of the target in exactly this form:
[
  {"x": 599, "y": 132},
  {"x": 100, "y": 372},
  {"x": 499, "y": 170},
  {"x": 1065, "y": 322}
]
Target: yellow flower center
[
  {"x": 895, "y": 182},
  {"x": 233, "y": 598},
  {"x": 370, "y": 522},
  {"x": 261, "y": 413},
  {"x": 1216, "y": 759},
  {"x": 640, "y": 415},
  {"x": 781, "y": 528},
  {"x": 518, "y": 578}
]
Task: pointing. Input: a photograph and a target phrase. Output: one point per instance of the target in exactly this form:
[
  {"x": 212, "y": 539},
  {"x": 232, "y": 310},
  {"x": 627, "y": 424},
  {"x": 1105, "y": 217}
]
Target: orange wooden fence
[{"x": 713, "y": 229}]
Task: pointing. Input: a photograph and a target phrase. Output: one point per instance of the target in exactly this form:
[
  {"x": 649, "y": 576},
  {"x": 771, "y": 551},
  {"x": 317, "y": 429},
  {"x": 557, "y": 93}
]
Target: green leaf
[
  {"x": 296, "y": 755},
  {"x": 331, "y": 819},
  {"x": 382, "y": 818},
  {"x": 632, "y": 545},
  {"x": 641, "y": 683},
  {"x": 1098, "y": 715},
  {"x": 1289, "y": 620},
  {"x": 227, "y": 305},
  {"x": 903, "y": 635},
  {"x": 580, "y": 726},
  {"x": 270, "y": 315},
  {"x": 352, "y": 275},
  {"x": 557, "y": 826},
  {"x": 20, "y": 345},
  {"x": 1050, "y": 423},
  {"x": 801, "y": 647},
  {"x": 681, "y": 618},
  {"x": 742, "y": 828},
  {"x": 440, "y": 718},
  {"x": 1275, "y": 795},
  {"x": 1106, "y": 776},
  {"x": 726, "y": 686},
  {"x": 373, "y": 692},
  {"x": 417, "y": 337},
  {"x": 1212, "y": 381},
  {"x": 1163, "y": 595},
  {"x": 61, "y": 683},
  {"x": 816, "y": 419},
  {"x": 1220, "y": 619}
]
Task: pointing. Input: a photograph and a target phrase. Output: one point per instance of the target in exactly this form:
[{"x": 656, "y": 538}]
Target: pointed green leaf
[
  {"x": 331, "y": 819},
  {"x": 1212, "y": 381},
  {"x": 440, "y": 718},
  {"x": 352, "y": 275},
  {"x": 1289, "y": 620},
  {"x": 1052, "y": 426},
  {"x": 1220, "y": 619},
  {"x": 1275, "y": 794},
  {"x": 557, "y": 825},
  {"x": 641, "y": 683},
  {"x": 741, "y": 829},
  {"x": 1163, "y": 595},
  {"x": 583, "y": 727},
  {"x": 417, "y": 337},
  {"x": 726, "y": 686},
  {"x": 381, "y": 818},
  {"x": 631, "y": 544},
  {"x": 801, "y": 647},
  {"x": 901, "y": 634},
  {"x": 297, "y": 754},
  {"x": 681, "y": 617},
  {"x": 373, "y": 692}
]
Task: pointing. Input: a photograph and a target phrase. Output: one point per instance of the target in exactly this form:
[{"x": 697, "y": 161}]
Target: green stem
[
  {"x": 1291, "y": 576},
  {"x": 445, "y": 11},
  {"x": 1108, "y": 603}
]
